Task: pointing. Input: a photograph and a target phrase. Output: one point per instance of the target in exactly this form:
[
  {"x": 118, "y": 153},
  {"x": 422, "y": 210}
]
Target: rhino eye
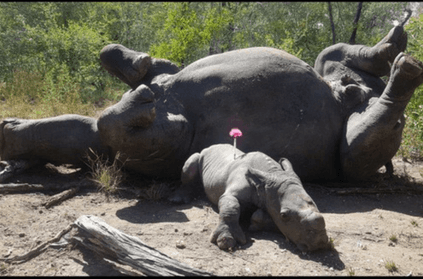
[{"x": 284, "y": 215}]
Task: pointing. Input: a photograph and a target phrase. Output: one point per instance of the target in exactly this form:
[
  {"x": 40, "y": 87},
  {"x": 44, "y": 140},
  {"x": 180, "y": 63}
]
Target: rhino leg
[
  {"x": 228, "y": 232},
  {"x": 64, "y": 139},
  {"x": 262, "y": 221},
  {"x": 374, "y": 60},
  {"x": 190, "y": 177},
  {"x": 128, "y": 65},
  {"x": 389, "y": 168},
  {"x": 372, "y": 134}
]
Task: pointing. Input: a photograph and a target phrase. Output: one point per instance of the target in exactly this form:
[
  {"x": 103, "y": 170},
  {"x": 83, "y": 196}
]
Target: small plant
[
  {"x": 3, "y": 269},
  {"x": 414, "y": 223},
  {"x": 332, "y": 243},
  {"x": 390, "y": 266},
  {"x": 393, "y": 238},
  {"x": 109, "y": 177},
  {"x": 351, "y": 271}
]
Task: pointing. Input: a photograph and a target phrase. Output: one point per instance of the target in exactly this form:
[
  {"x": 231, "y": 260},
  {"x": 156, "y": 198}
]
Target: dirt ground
[{"x": 363, "y": 228}]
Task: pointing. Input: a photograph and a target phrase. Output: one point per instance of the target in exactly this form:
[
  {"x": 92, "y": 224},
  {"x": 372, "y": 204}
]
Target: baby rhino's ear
[
  {"x": 256, "y": 177},
  {"x": 286, "y": 164}
]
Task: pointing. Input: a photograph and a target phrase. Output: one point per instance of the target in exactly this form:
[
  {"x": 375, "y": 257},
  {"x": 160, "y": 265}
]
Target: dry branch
[
  {"x": 60, "y": 197},
  {"x": 117, "y": 246},
  {"x": 38, "y": 250},
  {"x": 16, "y": 187}
]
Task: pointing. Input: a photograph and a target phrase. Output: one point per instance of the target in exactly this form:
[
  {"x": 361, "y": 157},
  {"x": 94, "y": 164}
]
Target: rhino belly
[{"x": 282, "y": 106}]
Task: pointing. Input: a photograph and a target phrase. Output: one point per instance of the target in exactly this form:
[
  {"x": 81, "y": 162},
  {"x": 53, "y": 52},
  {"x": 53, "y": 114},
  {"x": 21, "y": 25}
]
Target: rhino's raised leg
[
  {"x": 374, "y": 60},
  {"x": 191, "y": 180},
  {"x": 372, "y": 134},
  {"x": 128, "y": 65},
  {"x": 133, "y": 67},
  {"x": 228, "y": 231}
]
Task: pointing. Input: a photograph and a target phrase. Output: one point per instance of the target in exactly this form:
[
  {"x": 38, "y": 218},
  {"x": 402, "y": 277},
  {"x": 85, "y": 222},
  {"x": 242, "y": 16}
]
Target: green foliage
[
  {"x": 412, "y": 145},
  {"x": 188, "y": 30}
]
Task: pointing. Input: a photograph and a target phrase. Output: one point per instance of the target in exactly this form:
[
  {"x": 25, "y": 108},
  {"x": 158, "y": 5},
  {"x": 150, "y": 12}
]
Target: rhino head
[{"x": 293, "y": 211}]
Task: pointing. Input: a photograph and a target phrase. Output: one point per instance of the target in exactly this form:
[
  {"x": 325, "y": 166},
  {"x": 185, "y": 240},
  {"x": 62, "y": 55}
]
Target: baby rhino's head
[{"x": 291, "y": 208}]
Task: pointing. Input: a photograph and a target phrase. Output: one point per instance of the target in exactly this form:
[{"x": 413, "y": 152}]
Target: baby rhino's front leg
[{"x": 228, "y": 232}]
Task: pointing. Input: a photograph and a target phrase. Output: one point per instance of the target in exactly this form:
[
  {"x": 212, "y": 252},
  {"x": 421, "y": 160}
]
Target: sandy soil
[{"x": 361, "y": 226}]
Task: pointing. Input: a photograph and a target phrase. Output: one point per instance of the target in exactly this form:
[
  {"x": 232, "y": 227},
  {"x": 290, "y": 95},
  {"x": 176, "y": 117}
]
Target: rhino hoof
[
  {"x": 409, "y": 67},
  {"x": 226, "y": 242}
]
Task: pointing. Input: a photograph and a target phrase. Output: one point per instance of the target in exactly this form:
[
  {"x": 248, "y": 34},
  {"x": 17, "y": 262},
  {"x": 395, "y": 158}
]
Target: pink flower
[{"x": 235, "y": 132}]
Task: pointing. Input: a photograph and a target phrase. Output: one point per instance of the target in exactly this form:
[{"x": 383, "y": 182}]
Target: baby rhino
[{"x": 253, "y": 179}]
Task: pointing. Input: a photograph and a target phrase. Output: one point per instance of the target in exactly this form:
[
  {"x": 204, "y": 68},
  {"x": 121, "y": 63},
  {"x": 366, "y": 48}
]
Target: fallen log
[
  {"x": 17, "y": 187},
  {"x": 117, "y": 246},
  {"x": 60, "y": 197}
]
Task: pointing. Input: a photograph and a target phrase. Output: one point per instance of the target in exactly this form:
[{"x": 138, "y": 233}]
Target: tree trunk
[
  {"x": 331, "y": 23},
  {"x": 355, "y": 23},
  {"x": 117, "y": 246}
]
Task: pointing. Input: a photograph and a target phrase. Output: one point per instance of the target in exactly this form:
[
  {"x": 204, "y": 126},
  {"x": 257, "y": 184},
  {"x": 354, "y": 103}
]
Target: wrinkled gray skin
[
  {"x": 32, "y": 139},
  {"x": 338, "y": 121},
  {"x": 253, "y": 180}
]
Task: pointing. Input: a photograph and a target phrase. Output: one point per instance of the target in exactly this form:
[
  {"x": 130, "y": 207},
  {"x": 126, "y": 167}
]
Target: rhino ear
[
  {"x": 256, "y": 177},
  {"x": 286, "y": 164}
]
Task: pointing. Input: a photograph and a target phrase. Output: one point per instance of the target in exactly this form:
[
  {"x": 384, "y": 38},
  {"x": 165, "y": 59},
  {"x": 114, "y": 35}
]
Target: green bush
[{"x": 412, "y": 143}]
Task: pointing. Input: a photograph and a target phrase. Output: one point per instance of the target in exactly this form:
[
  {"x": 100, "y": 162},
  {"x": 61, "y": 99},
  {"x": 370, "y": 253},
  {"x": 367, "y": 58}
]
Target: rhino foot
[
  {"x": 384, "y": 52},
  {"x": 406, "y": 76},
  {"x": 226, "y": 236},
  {"x": 392, "y": 44}
]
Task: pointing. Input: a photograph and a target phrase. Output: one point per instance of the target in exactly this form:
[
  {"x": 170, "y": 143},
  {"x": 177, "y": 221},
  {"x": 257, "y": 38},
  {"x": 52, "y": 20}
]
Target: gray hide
[{"x": 252, "y": 180}]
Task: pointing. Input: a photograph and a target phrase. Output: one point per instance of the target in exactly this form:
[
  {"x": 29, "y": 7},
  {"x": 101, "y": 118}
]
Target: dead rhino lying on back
[{"x": 252, "y": 179}]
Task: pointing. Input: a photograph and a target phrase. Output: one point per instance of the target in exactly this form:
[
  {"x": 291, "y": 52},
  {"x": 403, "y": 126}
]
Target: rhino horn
[{"x": 316, "y": 221}]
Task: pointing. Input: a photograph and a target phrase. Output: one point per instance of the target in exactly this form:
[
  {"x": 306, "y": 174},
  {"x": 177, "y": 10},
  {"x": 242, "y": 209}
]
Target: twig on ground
[
  {"x": 39, "y": 249},
  {"x": 56, "y": 199}
]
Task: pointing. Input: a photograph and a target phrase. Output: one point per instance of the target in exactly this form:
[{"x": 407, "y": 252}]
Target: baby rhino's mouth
[{"x": 305, "y": 247}]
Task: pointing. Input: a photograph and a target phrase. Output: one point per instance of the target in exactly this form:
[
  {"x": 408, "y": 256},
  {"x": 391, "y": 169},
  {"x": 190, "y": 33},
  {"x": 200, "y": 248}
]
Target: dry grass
[
  {"x": 155, "y": 191},
  {"x": 30, "y": 96},
  {"x": 390, "y": 266},
  {"x": 108, "y": 177}
]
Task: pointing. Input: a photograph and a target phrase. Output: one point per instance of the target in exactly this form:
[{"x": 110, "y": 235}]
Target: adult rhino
[{"x": 338, "y": 121}]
